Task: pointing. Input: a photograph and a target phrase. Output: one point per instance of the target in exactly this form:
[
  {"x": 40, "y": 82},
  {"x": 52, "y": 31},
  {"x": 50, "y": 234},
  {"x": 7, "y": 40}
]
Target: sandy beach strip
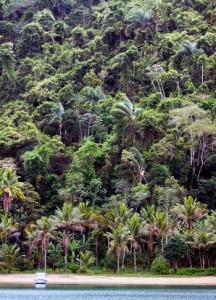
[{"x": 77, "y": 280}]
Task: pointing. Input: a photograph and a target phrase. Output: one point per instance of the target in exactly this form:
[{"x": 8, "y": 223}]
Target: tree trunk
[
  {"x": 175, "y": 266},
  {"x": 189, "y": 256},
  {"x": 60, "y": 129},
  {"x": 150, "y": 249},
  {"x": 123, "y": 259},
  {"x": 66, "y": 242},
  {"x": 202, "y": 73},
  {"x": 162, "y": 246},
  {"x": 200, "y": 257},
  {"x": 118, "y": 262},
  {"x": 96, "y": 252},
  {"x": 134, "y": 255},
  {"x": 45, "y": 260}
]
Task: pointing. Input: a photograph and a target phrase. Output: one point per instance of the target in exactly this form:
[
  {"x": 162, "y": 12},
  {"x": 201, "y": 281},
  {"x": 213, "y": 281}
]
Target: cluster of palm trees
[{"x": 69, "y": 230}]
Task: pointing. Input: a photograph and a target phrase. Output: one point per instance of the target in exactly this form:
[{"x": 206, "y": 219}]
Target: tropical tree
[
  {"x": 7, "y": 59},
  {"x": 125, "y": 113},
  {"x": 44, "y": 233},
  {"x": 203, "y": 241},
  {"x": 135, "y": 236},
  {"x": 211, "y": 221},
  {"x": 57, "y": 113},
  {"x": 86, "y": 259},
  {"x": 9, "y": 256},
  {"x": 7, "y": 227},
  {"x": 90, "y": 216},
  {"x": 190, "y": 211},
  {"x": 73, "y": 248},
  {"x": 188, "y": 236},
  {"x": 162, "y": 228},
  {"x": 139, "y": 19},
  {"x": 68, "y": 219},
  {"x": 135, "y": 161},
  {"x": 54, "y": 253},
  {"x": 117, "y": 242},
  {"x": 148, "y": 214},
  {"x": 199, "y": 132},
  {"x": 10, "y": 187},
  {"x": 188, "y": 49},
  {"x": 119, "y": 215},
  {"x": 174, "y": 249}
]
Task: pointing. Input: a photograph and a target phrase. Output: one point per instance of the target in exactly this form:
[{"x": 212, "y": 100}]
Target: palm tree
[
  {"x": 117, "y": 242},
  {"x": 133, "y": 158},
  {"x": 119, "y": 215},
  {"x": 55, "y": 254},
  {"x": 57, "y": 113},
  {"x": 73, "y": 247},
  {"x": 68, "y": 219},
  {"x": 29, "y": 232},
  {"x": 10, "y": 187},
  {"x": 190, "y": 211},
  {"x": 133, "y": 225},
  {"x": 7, "y": 228},
  {"x": 140, "y": 19},
  {"x": 188, "y": 237},
  {"x": 203, "y": 240},
  {"x": 8, "y": 255},
  {"x": 125, "y": 113},
  {"x": 162, "y": 228},
  {"x": 44, "y": 233},
  {"x": 86, "y": 259},
  {"x": 90, "y": 216},
  {"x": 211, "y": 221},
  {"x": 148, "y": 227},
  {"x": 189, "y": 49}
]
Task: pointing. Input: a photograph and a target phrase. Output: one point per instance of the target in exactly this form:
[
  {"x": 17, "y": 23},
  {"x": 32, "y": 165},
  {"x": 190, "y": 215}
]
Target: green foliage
[
  {"x": 104, "y": 102},
  {"x": 9, "y": 255},
  {"x": 160, "y": 266},
  {"x": 86, "y": 260},
  {"x": 197, "y": 272},
  {"x": 7, "y": 59},
  {"x": 174, "y": 248}
]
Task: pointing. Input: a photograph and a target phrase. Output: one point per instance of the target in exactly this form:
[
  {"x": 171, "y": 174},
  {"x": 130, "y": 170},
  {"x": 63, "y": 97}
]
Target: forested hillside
[{"x": 105, "y": 103}]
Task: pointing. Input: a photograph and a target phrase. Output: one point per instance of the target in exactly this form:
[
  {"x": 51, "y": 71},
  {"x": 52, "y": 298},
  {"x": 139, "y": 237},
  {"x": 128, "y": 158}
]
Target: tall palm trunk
[
  {"x": 150, "y": 248},
  {"x": 134, "y": 257},
  {"x": 118, "y": 261},
  {"x": 66, "y": 242},
  {"x": 45, "y": 260},
  {"x": 39, "y": 259},
  {"x": 123, "y": 259},
  {"x": 96, "y": 252},
  {"x": 189, "y": 256},
  {"x": 6, "y": 202}
]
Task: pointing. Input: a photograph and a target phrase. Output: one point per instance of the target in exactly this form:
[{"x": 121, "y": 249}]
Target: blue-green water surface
[{"x": 108, "y": 293}]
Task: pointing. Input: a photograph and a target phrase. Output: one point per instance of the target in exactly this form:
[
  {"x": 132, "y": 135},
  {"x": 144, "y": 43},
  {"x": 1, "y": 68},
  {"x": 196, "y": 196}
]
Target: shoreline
[{"x": 104, "y": 280}]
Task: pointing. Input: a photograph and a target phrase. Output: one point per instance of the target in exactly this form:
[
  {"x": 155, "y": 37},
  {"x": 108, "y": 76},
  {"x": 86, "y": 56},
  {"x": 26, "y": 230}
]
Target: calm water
[{"x": 108, "y": 293}]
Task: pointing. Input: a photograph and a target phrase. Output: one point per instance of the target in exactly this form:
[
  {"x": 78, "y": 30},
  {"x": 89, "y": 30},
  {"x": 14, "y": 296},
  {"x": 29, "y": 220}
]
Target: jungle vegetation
[{"x": 107, "y": 134}]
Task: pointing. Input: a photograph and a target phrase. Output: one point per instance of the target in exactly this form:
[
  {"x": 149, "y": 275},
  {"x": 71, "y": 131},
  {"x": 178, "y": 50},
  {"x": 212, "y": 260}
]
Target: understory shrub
[
  {"x": 196, "y": 271},
  {"x": 160, "y": 266}
]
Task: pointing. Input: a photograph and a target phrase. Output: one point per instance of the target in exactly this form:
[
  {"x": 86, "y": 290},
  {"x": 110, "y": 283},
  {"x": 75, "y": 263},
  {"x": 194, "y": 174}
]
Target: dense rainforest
[{"x": 107, "y": 133}]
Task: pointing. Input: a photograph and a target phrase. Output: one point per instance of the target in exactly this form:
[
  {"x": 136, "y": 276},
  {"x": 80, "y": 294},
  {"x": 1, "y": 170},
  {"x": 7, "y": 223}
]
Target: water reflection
[{"x": 108, "y": 293}]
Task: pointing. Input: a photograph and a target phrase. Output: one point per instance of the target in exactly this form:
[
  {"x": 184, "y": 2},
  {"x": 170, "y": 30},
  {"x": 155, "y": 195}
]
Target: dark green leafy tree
[
  {"x": 174, "y": 249},
  {"x": 7, "y": 59}
]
